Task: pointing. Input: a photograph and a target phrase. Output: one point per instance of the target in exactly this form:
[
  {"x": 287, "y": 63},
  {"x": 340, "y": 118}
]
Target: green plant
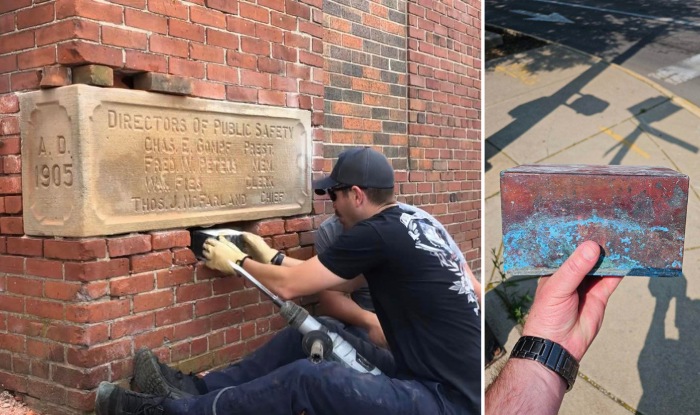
[{"x": 516, "y": 304}]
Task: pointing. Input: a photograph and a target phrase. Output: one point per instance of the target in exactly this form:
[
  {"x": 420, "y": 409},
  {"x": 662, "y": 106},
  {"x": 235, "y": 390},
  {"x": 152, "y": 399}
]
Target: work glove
[
  {"x": 259, "y": 250},
  {"x": 219, "y": 252}
]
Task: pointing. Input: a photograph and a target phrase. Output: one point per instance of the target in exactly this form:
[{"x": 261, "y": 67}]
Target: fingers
[{"x": 569, "y": 276}]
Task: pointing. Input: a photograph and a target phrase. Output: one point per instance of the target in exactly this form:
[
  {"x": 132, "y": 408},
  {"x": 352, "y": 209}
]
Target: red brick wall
[
  {"x": 444, "y": 114},
  {"x": 73, "y": 311},
  {"x": 401, "y": 76}
]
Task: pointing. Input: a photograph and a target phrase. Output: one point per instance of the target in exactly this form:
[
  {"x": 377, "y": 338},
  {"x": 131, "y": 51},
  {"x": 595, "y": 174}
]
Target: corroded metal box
[{"x": 636, "y": 214}]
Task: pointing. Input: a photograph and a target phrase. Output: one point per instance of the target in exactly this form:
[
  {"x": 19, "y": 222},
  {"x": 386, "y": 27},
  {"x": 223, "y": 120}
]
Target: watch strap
[
  {"x": 277, "y": 259},
  {"x": 552, "y": 355}
]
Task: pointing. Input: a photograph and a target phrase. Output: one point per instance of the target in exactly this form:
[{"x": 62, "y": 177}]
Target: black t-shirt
[{"x": 419, "y": 293}]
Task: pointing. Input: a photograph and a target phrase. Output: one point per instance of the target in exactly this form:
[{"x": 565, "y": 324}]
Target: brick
[
  {"x": 28, "y": 80},
  {"x": 275, "y": 98},
  {"x": 226, "y": 319},
  {"x": 222, "y": 39},
  {"x": 95, "y": 75},
  {"x": 268, "y": 33},
  {"x": 46, "y": 309},
  {"x": 191, "y": 328},
  {"x": 147, "y": 62},
  {"x": 45, "y": 350},
  {"x": 185, "y": 30},
  {"x": 241, "y": 60},
  {"x": 12, "y": 226},
  {"x": 128, "y": 245},
  {"x": 170, "y": 239},
  {"x": 636, "y": 214},
  {"x": 269, "y": 227},
  {"x": 153, "y": 300},
  {"x": 240, "y": 26},
  {"x": 255, "y": 46},
  {"x": 169, "y": 84},
  {"x": 226, "y": 6},
  {"x": 183, "y": 256},
  {"x": 24, "y": 286},
  {"x": 86, "y": 8},
  {"x": 59, "y": 290},
  {"x": 91, "y": 271},
  {"x": 193, "y": 292},
  {"x": 207, "y": 17},
  {"x": 65, "y": 30},
  {"x": 37, "y": 57},
  {"x": 154, "y": 338},
  {"x": 8, "y": 126},
  {"x": 283, "y": 21},
  {"x": 11, "y": 303},
  {"x": 241, "y": 94},
  {"x": 207, "y": 53},
  {"x": 55, "y": 76},
  {"x": 254, "y": 312},
  {"x": 77, "y": 335},
  {"x": 210, "y": 90},
  {"x": 133, "y": 284},
  {"x": 228, "y": 285},
  {"x": 12, "y": 165},
  {"x": 139, "y": 4},
  {"x": 8, "y": 63},
  {"x": 99, "y": 354},
  {"x": 132, "y": 325},
  {"x": 173, "y": 315},
  {"x": 35, "y": 16},
  {"x": 150, "y": 262},
  {"x": 146, "y": 21},
  {"x": 77, "y": 52},
  {"x": 79, "y": 250},
  {"x": 17, "y": 41},
  {"x": 172, "y": 8},
  {"x": 131, "y": 39},
  {"x": 14, "y": 5},
  {"x": 25, "y": 246},
  {"x": 222, "y": 73},
  {"x": 186, "y": 68},
  {"x": 44, "y": 268},
  {"x": 211, "y": 305},
  {"x": 25, "y": 326},
  {"x": 175, "y": 276},
  {"x": 96, "y": 312},
  {"x": 253, "y": 12},
  {"x": 79, "y": 378}
]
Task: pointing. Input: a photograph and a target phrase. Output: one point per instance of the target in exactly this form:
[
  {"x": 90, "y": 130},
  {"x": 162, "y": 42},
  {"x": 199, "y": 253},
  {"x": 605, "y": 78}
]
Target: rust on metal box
[{"x": 636, "y": 214}]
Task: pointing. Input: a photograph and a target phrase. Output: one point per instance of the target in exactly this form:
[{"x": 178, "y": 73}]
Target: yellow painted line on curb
[
  {"x": 624, "y": 142},
  {"x": 517, "y": 71}
]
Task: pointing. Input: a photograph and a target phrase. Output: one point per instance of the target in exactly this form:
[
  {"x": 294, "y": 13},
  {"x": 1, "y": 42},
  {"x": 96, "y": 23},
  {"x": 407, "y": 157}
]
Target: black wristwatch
[{"x": 551, "y": 355}]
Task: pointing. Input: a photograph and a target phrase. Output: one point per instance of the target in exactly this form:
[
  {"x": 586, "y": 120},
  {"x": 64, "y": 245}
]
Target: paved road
[{"x": 659, "y": 40}]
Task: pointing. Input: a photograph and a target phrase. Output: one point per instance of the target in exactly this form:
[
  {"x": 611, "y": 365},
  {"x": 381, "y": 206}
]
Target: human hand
[
  {"x": 220, "y": 252},
  {"x": 258, "y": 248},
  {"x": 568, "y": 308}
]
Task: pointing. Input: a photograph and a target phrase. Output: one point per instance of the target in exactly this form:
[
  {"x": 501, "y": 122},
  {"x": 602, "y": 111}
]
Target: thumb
[{"x": 569, "y": 276}]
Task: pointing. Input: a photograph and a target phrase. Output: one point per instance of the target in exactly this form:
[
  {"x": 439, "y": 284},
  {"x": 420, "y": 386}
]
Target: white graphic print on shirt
[{"x": 432, "y": 239}]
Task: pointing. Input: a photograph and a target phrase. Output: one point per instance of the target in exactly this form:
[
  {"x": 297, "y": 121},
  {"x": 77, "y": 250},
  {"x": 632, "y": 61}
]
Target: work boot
[
  {"x": 159, "y": 379},
  {"x": 113, "y": 400}
]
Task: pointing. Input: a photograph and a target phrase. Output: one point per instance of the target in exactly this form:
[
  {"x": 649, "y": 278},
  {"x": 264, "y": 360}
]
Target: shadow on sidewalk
[{"x": 669, "y": 368}]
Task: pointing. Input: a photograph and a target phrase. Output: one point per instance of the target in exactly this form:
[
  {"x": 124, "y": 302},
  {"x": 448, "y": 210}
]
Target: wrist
[
  {"x": 550, "y": 355},
  {"x": 242, "y": 260}
]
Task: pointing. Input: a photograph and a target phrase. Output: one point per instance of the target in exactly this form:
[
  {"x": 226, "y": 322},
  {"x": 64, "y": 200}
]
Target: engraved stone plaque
[{"x": 106, "y": 161}]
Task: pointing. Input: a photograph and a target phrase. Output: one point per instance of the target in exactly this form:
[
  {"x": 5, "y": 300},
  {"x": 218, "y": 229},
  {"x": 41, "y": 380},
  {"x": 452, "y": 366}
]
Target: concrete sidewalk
[{"x": 556, "y": 105}]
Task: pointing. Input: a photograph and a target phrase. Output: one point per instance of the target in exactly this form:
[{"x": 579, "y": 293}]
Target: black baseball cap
[{"x": 361, "y": 167}]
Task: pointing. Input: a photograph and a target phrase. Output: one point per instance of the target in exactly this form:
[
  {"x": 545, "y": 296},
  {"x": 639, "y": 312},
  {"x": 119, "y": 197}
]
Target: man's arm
[
  {"x": 307, "y": 277},
  {"x": 335, "y": 303},
  {"x": 568, "y": 309}
]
